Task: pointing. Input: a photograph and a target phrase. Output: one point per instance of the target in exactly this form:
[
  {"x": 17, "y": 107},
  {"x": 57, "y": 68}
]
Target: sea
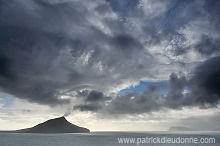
[{"x": 113, "y": 139}]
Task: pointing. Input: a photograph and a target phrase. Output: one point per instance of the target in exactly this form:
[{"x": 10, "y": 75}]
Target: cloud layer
[
  {"x": 201, "y": 89},
  {"x": 53, "y": 52}
]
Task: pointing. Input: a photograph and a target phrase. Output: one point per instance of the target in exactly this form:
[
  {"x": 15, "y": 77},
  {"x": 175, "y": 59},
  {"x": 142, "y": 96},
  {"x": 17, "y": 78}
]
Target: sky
[{"x": 110, "y": 65}]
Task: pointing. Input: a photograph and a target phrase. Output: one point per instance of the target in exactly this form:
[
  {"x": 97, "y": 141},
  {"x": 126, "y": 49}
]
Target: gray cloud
[
  {"x": 212, "y": 8},
  {"x": 95, "y": 96},
  {"x": 201, "y": 89},
  {"x": 88, "y": 107},
  {"x": 92, "y": 100},
  {"x": 208, "y": 46}
]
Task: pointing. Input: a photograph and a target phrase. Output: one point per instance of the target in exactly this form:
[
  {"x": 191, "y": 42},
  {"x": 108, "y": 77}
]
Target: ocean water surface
[{"x": 111, "y": 139}]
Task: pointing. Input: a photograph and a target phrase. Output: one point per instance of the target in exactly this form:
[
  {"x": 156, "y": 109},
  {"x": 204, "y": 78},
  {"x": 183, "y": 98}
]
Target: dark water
[{"x": 102, "y": 139}]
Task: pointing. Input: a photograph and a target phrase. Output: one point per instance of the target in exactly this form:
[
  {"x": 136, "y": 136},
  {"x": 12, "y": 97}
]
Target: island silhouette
[
  {"x": 217, "y": 129},
  {"x": 180, "y": 128},
  {"x": 57, "y": 125}
]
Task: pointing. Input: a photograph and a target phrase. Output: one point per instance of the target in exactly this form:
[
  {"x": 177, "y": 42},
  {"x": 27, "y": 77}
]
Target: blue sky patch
[
  {"x": 143, "y": 85},
  {"x": 6, "y": 99}
]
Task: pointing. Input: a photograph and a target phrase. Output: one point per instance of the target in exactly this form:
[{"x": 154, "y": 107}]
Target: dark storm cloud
[
  {"x": 43, "y": 45},
  {"x": 207, "y": 81},
  {"x": 4, "y": 65},
  {"x": 201, "y": 89},
  {"x": 22, "y": 65},
  {"x": 29, "y": 46},
  {"x": 208, "y": 46}
]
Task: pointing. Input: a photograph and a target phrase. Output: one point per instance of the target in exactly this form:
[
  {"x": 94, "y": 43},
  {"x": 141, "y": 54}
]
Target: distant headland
[
  {"x": 57, "y": 125},
  {"x": 180, "y": 128},
  {"x": 217, "y": 129}
]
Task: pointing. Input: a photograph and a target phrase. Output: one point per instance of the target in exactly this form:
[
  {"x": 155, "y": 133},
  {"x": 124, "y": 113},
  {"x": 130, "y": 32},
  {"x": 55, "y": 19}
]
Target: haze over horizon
[{"x": 131, "y": 65}]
